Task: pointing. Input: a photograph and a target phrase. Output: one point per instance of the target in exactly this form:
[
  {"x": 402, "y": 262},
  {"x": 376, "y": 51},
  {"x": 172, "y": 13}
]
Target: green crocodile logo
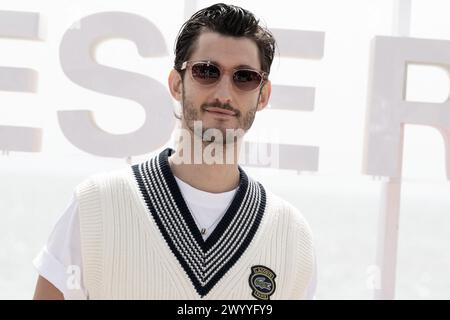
[{"x": 260, "y": 283}]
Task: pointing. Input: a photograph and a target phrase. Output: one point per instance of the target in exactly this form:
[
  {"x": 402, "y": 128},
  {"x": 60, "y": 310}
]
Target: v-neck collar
[
  {"x": 216, "y": 201},
  {"x": 187, "y": 215},
  {"x": 205, "y": 261}
]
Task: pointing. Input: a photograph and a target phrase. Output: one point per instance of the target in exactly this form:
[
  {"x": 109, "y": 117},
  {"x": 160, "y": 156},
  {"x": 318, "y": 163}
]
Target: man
[{"x": 189, "y": 223}]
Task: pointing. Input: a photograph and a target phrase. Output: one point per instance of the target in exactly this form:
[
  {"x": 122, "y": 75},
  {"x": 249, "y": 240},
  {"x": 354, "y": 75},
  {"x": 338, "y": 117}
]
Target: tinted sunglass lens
[
  {"x": 247, "y": 79},
  {"x": 205, "y": 73}
]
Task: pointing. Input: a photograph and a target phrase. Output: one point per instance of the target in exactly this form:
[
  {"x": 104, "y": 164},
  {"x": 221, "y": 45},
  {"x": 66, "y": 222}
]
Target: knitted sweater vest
[{"x": 139, "y": 240}]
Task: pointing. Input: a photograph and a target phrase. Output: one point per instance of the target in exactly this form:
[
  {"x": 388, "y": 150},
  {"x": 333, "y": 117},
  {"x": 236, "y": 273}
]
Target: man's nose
[{"x": 224, "y": 89}]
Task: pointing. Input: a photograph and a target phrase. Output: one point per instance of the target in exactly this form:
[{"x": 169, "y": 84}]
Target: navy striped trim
[{"x": 205, "y": 262}]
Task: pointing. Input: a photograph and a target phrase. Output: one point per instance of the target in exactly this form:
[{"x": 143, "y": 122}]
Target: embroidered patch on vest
[
  {"x": 262, "y": 282},
  {"x": 204, "y": 261}
]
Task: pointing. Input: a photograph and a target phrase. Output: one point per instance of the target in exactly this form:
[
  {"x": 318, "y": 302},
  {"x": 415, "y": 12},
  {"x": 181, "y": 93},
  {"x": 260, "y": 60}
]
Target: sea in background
[{"x": 341, "y": 210}]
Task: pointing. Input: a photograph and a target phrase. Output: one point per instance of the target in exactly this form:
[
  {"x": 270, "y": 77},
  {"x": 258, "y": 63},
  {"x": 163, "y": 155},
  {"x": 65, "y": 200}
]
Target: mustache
[{"x": 218, "y": 104}]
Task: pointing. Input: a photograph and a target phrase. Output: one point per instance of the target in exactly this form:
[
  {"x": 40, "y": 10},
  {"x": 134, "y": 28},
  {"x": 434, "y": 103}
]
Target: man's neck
[{"x": 214, "y": 178}]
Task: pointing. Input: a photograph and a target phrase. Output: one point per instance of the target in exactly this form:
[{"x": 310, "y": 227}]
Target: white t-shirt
[{"x": 60, "y": 262}]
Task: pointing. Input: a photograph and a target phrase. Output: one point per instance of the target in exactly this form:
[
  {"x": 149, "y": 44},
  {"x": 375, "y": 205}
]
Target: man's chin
[{"x": 222, "y": 135}]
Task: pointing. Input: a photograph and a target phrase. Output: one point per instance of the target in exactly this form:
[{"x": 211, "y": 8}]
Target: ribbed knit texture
[{"x": 139, "y": 240}]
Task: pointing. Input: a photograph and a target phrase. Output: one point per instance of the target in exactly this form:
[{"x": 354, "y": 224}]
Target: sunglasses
[{"x": 207, "y": 73}]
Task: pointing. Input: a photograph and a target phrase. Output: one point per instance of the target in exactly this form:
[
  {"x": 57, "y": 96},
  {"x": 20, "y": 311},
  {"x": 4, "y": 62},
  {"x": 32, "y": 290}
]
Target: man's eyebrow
[
  {"x": 241, "y": 66},
  {"x": 245, "y": 66}
]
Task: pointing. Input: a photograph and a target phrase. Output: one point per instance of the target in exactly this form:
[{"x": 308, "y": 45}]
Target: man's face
[{"x": 228, "y": 53}]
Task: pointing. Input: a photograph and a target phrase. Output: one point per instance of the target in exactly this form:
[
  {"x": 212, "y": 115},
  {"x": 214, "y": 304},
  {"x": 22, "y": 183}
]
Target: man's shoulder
[
  {"x": 280, "y": 206},
  {"x": 111, "y": 177}
]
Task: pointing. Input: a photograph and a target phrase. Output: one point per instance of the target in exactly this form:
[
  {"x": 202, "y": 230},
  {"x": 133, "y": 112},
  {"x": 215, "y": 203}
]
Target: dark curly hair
[{"x": 227, "y": 20}]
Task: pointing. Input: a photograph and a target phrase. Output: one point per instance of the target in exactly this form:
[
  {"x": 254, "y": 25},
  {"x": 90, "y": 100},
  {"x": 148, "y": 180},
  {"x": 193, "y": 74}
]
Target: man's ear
[
  {"x": 175, "y": 85},
  {"x": 264, "y": 96}
]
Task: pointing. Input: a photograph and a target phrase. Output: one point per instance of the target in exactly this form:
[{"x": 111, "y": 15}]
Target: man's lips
[{"x": 220, "y": 110}]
